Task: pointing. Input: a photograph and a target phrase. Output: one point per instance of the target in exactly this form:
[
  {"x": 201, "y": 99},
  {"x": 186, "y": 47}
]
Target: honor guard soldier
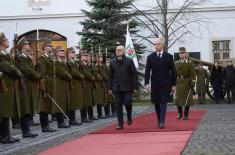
[
  {"x": 185, "y": 84},
  {"x": 48, "y": 85},
  {"x": 87, "y": 89},
  {"x": 75, "y": 93},
  {"x": 29, "y": 94},
  {"x": 9, "y": 106},
  {"x": 98, "y": 95},
  {"x": 201, "y": 85},
  {"x": 63, "y": 79}
]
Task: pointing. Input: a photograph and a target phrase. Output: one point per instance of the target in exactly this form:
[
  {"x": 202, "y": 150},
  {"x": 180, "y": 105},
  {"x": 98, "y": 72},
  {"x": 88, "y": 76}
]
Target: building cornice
[{"x": 72, "y": 15}]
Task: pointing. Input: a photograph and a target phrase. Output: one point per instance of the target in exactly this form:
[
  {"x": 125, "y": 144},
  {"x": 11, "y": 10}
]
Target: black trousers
[
  {"x": 4, "y": 127},
  {"x": 217, "y": 94},
  {"x": 24, "y": 122},
  {"x": 161, "y": 112},
  {"x": 123, "y": 98},
  {"x": 180, "y": 111},
  {"x": 201, "y": 98},
  {"x": 44, "y": 120},
  {"x": 230, "y": 93}
]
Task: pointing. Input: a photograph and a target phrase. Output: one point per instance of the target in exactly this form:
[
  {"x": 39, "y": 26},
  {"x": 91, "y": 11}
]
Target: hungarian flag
[{"x": 129, "y": 49}]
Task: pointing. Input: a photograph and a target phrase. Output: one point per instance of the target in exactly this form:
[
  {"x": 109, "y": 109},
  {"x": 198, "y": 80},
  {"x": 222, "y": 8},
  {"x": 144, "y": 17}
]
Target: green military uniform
[
  {"x": 185, "y": 81},
  {"x": 47, "y": 74},
  {"x": 75, "y": 93},
  {"x": 10, "y": 105},
  {"x": 103, "y": 73},
  {"x": 201, "y": 85},
  {"x": 98, "y": 84},
  {"x": 28, "y": 95},
  {"x": 88, "y": 83},
  {"x": 63, "y": 79}
]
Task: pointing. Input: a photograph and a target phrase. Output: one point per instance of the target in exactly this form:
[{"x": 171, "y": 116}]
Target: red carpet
[
  {"x": 147, "y": 123},
  {"x": 150, "y": 143},
  {"x": 142, "y": 138}
]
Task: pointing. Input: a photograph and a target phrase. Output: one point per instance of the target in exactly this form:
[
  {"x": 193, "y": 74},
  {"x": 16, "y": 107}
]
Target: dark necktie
[{"x": 159, "y": 55}]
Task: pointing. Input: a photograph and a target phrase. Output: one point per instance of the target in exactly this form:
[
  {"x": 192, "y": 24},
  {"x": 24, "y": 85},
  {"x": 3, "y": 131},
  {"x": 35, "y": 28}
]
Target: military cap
[
  {"x": 2, "y": 37},
  {"x": 71, "y": 50},
  {"x": 183, "y": 49},
  {"x": 83, "y": 52},
  {"x": 59, "y": 48},
  {"x": 22, "y": 42},
  {"x": 47, "y": 43},
  {"x": 117, "y": 43}
]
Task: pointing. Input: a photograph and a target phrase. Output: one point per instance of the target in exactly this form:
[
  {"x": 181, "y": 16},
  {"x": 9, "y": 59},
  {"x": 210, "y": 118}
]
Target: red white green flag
[{"x": 129, "y": 49}]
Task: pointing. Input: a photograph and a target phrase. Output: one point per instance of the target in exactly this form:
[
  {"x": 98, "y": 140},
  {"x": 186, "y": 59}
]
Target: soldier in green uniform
[
  {"x": 28, "y": 95},
  {"x": 98, "y": 95},
  {"x": 201, "y": 83},
  {"x": 87, "y": 89},
  {"x": 75, "y": 93},
  {"x": 63, "y": 84},
  {"x": 104, "y": 74},
  {"x": 47, "y": 84},
  {"x": 110, "y": 100},
  {"x": 9, "y": 106},
  {"x": 185, "y": 84}
]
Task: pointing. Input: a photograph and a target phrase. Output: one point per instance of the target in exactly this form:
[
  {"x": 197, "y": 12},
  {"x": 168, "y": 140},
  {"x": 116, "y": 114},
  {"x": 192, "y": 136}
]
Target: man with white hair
[
  {"x": 163, "y": 80},
  {"x": 122, "y": 83}
]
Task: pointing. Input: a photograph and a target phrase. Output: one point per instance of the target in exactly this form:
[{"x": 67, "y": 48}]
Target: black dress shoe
[
  {"x": 15, "y": 139},
  {"x": 16, "y": 126},
  {"x": 93, "y": 118},
  {"x": 185, "y": 118},
  {"x": 119, "y": 127},
  {"x": 129, "y": 121},
  {"x": 75, "y": 123},
  {"x": 48, "y": 129},
  {"x": 63, "y": 125},
  {"x": 162, "y": 126},
  {"x": 7, "y": 140},
  {"x": 29, "y": 135},
  {"x": 101, "y": 117},
  {"x": 179, "y": 117}
]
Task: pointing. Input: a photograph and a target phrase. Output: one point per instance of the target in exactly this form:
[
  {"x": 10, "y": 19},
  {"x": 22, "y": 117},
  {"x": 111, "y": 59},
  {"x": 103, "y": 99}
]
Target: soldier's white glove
[
  {"x": 148, "y": 88},
  {"x": 1, "y": 74}
]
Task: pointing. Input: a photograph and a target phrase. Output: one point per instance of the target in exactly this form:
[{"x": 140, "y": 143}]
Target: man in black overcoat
[
  {"x": 160, "y": 66},
  {"x": 122, "y": 82}
]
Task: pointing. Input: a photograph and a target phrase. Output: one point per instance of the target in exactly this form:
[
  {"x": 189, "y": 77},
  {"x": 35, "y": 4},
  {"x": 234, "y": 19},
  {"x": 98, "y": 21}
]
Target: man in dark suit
[
  {"x": 163, "y": 80},
  {"x": 122, "y": 82}
]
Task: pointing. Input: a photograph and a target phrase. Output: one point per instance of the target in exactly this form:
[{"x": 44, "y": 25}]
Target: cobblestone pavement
[{"x": 214, "y": 136}]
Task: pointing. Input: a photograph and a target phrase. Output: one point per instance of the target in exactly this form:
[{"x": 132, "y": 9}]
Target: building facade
[{"x": 60, "y": 20}]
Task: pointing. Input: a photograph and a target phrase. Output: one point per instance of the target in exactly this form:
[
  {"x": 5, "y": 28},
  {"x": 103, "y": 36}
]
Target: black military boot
[
  {"x": 45, "y": 123},
  {"x": 180, "y": 112},
  {"x": 99, "y": 112},
  {"x": 72, "y": 119},
  {"x": 60, "y": 121},
  {"x": 186, "y": 111}
]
